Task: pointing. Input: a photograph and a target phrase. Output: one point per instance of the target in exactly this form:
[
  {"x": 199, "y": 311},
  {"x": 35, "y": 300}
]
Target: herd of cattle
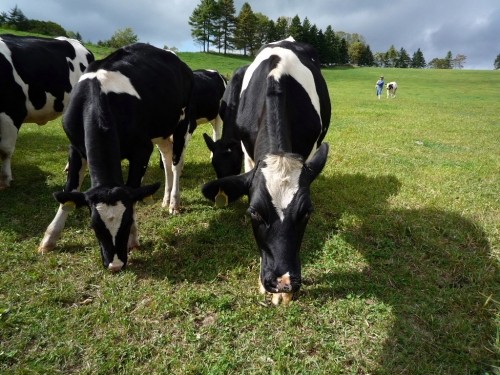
[{"x": 272, "y": 116}]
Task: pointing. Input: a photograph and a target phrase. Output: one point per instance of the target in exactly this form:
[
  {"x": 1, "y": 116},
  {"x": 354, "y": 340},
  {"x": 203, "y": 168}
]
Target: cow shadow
[
  {"x": 30, "y": 188},
  {"x": 431, "y": 268}
]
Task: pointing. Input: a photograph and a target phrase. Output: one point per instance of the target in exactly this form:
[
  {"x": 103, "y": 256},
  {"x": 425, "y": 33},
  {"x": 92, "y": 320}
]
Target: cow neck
[
  {"x": 278, "y": 133},
  {"x": 103, "y": 156}
]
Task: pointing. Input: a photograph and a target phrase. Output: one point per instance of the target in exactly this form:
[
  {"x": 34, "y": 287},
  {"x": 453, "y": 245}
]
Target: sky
[{"x": 470, "y": 28}]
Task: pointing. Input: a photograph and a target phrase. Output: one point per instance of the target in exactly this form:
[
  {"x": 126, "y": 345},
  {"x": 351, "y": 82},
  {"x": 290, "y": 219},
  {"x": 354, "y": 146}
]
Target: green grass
[{"x": 400, "y": 259}]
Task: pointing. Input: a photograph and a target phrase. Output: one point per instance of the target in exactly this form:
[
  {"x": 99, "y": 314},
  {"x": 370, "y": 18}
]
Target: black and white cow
[
  {"x": 391, "y": 87},
  {"x": 227, "y": 155},
  {"x": 36, "y": 79},
  {"x": 136, "y": 97},
  {"x": 283, "y": 114},
  {"x": 209, "y": 86}
]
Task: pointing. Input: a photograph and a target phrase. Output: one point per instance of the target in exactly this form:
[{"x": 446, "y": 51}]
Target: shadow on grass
[{"x": 432, "y": 268}]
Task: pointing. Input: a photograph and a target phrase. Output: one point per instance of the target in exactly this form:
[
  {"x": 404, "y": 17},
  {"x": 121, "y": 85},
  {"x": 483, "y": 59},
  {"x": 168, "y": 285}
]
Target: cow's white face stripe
[
  {"x": 112, "y": 82},
  {"x": 282, "y": 180},
  {"x": 289, "y": 65},
  {"x": 111, "y": 215}
]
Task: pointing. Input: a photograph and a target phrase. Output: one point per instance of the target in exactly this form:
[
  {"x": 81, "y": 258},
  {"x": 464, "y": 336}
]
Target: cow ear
[
  {"x": 318, "y": 161},
  {"x": 209, "y": 141},
  {"x": 145, "y": 192},
  {"x": 232, "y": 187},
  {"x": 70, "y": 200}
]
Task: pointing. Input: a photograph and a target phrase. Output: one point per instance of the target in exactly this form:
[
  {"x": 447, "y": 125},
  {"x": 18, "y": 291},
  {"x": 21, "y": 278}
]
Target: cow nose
[
  {"x": 116, "y": 265},
  {"x": 284, "y": 283}
]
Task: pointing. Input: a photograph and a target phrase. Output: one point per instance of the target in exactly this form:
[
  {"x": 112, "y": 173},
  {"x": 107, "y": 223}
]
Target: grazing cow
[
  {"x": 209, "y": 86},
  {"x": 391, "y": 89},
  {"x": 136, "y": 97},
  {"x": 283, "y": 114},
  {"x": 227, "y": 154},
  {"x": 37, "y": 76}
]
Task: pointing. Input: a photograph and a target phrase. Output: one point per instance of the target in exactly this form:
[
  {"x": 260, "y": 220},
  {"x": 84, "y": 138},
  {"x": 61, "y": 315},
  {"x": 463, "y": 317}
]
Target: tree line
[{"x": 215, "y": 26}]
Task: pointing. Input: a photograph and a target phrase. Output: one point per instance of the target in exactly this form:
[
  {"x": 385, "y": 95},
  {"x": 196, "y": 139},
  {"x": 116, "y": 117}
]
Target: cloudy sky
[{"x": 471, "y": 28}]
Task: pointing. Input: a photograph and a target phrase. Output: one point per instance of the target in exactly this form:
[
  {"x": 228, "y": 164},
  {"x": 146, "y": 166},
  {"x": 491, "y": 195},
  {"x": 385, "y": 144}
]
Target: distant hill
[{"x": 225, "y": 64}]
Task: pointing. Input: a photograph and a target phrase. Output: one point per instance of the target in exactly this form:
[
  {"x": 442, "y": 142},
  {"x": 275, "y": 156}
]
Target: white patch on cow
[
  {"x": 112, "y": 81},
  {"x": 289, "y": 65},
  {"x": 282, "y": 180},
  {"x": 40, "y": 116},
  {"x": 111, "y": 215},
  {"x": 80, "y": 59}
]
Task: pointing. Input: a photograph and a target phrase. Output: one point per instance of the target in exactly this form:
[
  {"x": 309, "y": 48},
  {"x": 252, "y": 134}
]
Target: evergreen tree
[
  {"x": 366, "y": 58},
  {"x": 496, "y": 64},
  {"x": 295, "y": 28},
  {"x": 282, "y": 28},
  {"x": 448, "y": 59},
  {"x": 391, "y": 57},
  {"x": 202, "y": 22},
  {"x": 343, "y": 52},
  {"x": 305, "y": 32},
  {"x": 404, "y": 60},
  {"x": 226, "y": 22},
  {"x": 246, "y": 30},
  {"x": 331, "y": 53},
  {"x": 418, "y": 60},
  {"x": 262, "y": 30},
  {"x": 17, "y": 20}
]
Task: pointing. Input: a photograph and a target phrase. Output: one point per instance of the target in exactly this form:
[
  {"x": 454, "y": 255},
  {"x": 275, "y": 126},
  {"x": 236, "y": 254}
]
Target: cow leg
[
  {"x": 217, "y": 127},
  {"x": 76, "y": 173},
  {"x": 249, "y": 163},
  {"x": 175, "y": 194},
  {"x": 8, "y": 138},
  {"x": 133, "y": 238},
  {"x": 165, "y": 146}
]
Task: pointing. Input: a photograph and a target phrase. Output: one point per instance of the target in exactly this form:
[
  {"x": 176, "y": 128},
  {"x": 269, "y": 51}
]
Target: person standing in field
[{"x": 379, "y": 86}]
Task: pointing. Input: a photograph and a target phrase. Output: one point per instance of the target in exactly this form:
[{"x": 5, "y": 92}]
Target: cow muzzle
[{"x": 282, "y": 288}]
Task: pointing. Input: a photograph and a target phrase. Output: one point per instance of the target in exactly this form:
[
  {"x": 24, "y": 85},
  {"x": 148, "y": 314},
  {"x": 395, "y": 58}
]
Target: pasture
[{"x": 400, "y": 258}]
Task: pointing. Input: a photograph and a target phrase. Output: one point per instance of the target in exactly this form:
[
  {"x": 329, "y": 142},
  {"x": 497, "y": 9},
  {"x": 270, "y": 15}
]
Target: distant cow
[
  {"x": 136, "y": 97},
  {"x": 36, "y": 79},
  {"x": 227, "y": 154},
  {"x": 391, "y": 89},
  {"x": 283, "y": 114}
]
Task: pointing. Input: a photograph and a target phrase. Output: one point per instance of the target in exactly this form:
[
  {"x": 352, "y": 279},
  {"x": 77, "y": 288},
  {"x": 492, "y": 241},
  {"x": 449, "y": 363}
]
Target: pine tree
[
  {"x": 226, "y": 22},
  {"x": 246, "y": 29},
  {"x": 202, "y": 22},
  {"x": 418, "y": 60},
  {"x": 496, "y": 64},
  {"x": 403, "y": 60}
]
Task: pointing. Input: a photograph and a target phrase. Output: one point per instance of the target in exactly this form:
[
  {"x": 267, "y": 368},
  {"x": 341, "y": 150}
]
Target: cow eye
[
  {"x": 307, "y": 214},
  {"x": 254, "y": 214}
]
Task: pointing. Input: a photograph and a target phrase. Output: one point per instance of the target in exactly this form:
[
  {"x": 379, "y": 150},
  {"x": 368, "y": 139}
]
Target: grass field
[{"x": 400, "y": 258}]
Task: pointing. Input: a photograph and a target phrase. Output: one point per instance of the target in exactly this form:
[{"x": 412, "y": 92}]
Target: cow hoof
[
  {"x": 44, "y": 249},
  {"x": 174, "y": 210}
]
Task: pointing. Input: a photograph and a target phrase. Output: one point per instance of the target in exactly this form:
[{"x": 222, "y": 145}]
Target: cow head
[
  {"x": 112, "y": 217},
  {"x": 227, "y": 156},
  {"x": 279, "y": 207}
]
